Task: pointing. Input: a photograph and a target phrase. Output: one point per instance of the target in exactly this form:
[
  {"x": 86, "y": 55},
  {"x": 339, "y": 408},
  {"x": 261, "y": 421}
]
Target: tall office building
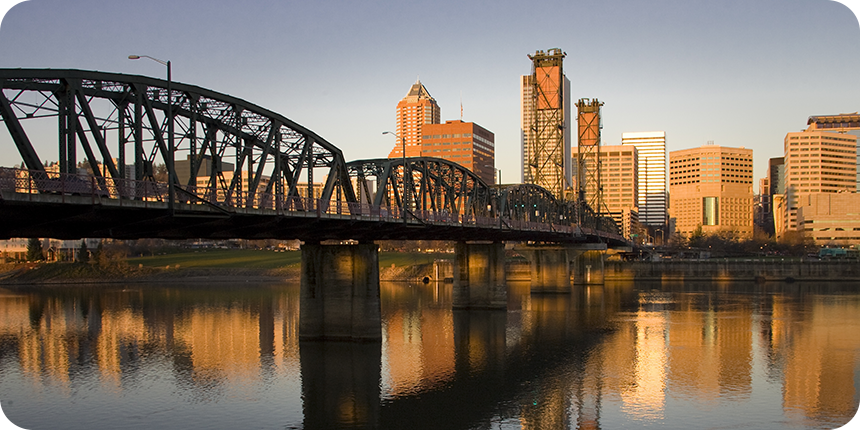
[
  {"x": 712, "y": 187},
  {"x": 651, "y": 145},
  {"x": 619, "y": 172},
  {"x": 816, "y": 161},
  {"x": 545, "y": 124},
  {"x": 464, "y": 143},
  {"x": 848, "y": 123},
  {"x": 413, "y": 112}
]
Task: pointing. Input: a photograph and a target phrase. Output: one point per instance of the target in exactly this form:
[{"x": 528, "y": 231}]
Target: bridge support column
[
  {"x": 340, "y": 293},
  {"x": 588, "y": 264},
  {"x": 479, "y": 276},
  {"x": 551, "y": 266}
]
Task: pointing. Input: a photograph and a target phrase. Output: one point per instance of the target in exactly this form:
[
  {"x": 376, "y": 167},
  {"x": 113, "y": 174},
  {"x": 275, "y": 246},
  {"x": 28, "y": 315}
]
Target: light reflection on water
[{"x": 619, "y": 356}]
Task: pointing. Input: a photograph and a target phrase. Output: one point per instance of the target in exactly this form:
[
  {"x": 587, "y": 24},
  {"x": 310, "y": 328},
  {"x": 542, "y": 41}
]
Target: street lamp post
[
  {"x": 405, "y": 193},
  {"x": 171, "y": 174}
]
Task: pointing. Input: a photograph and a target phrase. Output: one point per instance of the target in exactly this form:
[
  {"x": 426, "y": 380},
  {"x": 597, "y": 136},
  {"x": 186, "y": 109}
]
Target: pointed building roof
[{"x": 419, "y": 92}]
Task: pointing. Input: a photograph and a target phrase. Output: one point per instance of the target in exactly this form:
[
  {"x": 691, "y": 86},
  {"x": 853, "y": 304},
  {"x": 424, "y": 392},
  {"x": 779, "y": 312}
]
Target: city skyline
[{"x": 736, "y": 73}]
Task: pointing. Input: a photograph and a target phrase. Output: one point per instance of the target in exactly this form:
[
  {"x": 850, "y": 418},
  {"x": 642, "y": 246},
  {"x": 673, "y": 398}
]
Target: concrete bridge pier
[
  {"x": 479, "y": 276},
  {"x": 588, "y": 264},
  {"x": 549, "y": 267},
  {"x": 340, "y": 293},
  {"x": 552, "y": 266}
]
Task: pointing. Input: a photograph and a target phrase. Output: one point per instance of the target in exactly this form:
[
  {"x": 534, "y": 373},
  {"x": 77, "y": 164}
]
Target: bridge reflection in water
[{"x": 606, "y": 357}]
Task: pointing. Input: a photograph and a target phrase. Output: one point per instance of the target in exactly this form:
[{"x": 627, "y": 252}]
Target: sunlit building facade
[
  {"x": 847, "y": 123},
  {"x": 712, "y": 187},
  {"x": 619, "y": 173},
  {"x": 816, "y": 162},
  {"x": 653, "y": 201},
  {"x": 465, "y": 143},
  {"x": 414, "y": 111},
  {"x": 831, "y": 219}
]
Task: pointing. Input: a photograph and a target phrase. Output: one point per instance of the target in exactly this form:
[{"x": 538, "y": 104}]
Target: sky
[{"x": 740, "y": 73}]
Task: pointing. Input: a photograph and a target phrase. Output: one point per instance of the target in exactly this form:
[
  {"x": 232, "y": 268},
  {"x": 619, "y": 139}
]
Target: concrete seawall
[{"x": 759, "y": 271}]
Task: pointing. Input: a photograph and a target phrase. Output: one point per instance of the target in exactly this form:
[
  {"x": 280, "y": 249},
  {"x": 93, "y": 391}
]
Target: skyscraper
[
  {"x": 816, "y": 161},
  {"x": 465, "y": 143},
  {"x": 413, "y": 112},
  {"x": 652, "y": 175},
  {"x": 848, "y": 123},
  {"x": 545, "y": 124},
  {"x": 711, "y": 187}
]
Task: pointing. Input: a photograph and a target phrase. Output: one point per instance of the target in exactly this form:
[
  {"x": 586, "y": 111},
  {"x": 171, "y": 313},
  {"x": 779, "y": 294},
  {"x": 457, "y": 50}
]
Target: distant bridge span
[{"x": 232, "y": 169}]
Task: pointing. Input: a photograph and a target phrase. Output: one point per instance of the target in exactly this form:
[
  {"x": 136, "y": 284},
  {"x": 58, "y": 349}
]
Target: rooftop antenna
[{"x": 461, "y": 106}]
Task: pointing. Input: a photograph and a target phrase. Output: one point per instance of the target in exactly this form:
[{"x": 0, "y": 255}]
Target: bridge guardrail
[{"x": 100, "y": 188}]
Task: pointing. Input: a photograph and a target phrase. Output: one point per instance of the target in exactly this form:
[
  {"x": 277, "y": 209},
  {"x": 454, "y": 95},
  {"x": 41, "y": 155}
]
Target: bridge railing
[
  {"x": 34, "y": 182},
  {"x": 31, "y": 182}
]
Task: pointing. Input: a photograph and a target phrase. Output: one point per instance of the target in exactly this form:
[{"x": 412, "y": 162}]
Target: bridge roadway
[{"x": 252, "y": 173}]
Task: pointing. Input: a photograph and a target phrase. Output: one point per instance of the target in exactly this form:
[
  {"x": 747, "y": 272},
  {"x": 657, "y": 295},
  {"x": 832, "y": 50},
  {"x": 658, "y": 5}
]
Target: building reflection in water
[
  {"x": 213, "y": 337},
  {"x": 417, "y": 337},
  {"x": 596, "y": 356}
]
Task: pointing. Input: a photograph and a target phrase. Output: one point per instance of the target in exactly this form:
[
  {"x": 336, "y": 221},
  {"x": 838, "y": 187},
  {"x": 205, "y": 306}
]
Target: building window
[{"x": 710, "y": 211}]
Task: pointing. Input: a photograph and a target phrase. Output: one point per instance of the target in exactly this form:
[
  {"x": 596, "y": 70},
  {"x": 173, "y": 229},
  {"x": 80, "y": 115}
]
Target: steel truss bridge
[{"x": 138, "y": 157}]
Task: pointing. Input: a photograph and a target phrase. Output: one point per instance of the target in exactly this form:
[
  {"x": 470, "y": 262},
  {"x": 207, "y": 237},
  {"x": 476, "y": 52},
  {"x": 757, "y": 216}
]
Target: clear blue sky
[{"x": 738, "y": 72}]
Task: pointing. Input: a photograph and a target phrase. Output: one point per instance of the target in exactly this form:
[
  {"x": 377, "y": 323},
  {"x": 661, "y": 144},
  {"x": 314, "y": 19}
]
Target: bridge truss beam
[{"x": 233, "y": 149}]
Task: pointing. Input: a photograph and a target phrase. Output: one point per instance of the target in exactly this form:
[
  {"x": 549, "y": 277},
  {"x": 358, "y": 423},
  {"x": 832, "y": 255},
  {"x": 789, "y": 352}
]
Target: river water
[{"x": 717, "y": 356}]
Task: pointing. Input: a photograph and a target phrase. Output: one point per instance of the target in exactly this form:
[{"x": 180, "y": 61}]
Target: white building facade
[{"x": 653, "y": 174}]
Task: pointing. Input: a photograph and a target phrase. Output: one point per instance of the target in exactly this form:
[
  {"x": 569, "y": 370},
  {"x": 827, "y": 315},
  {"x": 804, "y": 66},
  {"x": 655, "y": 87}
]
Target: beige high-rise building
[
  {"x": 619, "y": 173},
  {"x": 712, "y": 187},
  {"x": 847, "y": 123},
  {"x": 413, "y": 111},
  {"x": 816, "y": 161},
  {"x": 652, "y": 175}
]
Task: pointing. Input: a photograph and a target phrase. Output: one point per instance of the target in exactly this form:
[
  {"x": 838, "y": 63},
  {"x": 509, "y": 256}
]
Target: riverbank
[
  {"x": 204, "y": 266},
  {"x": 241, "y": 267},
  {"x": 83, "y": 273}
]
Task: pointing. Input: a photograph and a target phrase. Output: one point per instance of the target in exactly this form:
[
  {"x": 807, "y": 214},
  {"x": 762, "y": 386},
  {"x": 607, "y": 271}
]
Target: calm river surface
[{"x": 771, "y": 356}]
